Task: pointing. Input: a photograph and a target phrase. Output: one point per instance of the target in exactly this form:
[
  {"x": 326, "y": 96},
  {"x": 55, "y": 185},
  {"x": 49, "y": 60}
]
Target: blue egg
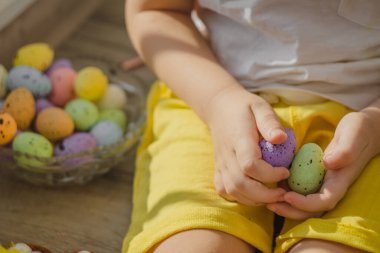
[
  {"x": 30, "y": 78},
  {"x": 106, "y": 132}
]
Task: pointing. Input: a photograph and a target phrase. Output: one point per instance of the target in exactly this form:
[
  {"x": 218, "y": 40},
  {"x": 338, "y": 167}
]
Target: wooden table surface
[{"x": 95, "y": 216}]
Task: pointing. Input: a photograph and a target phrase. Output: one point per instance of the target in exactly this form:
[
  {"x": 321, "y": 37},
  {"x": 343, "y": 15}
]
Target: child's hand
[
  {"x": 356, "y": 141},
  {"x": 235, "y": 118}
]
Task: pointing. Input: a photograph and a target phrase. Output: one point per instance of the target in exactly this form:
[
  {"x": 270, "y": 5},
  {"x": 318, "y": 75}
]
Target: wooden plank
[
  {"x": 111, "y": 12},
  {"x": 50, "y": 21},
  {"x": 10, "y": 9},
  {"x": 93, "y": 217}
]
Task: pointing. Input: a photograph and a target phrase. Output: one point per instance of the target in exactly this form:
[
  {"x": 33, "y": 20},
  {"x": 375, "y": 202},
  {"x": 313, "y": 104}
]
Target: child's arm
[
  {"x": 165, "y": 37},
  {"x": 355, "y": 143}
]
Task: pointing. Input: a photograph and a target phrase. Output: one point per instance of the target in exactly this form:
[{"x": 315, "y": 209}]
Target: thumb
[
  {"x": 267, "y": 122},
  {"x": 345, "y": 148}
]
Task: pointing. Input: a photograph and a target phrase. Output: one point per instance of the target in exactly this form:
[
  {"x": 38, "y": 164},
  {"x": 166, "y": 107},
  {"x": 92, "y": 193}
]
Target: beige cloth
[{"x": 301, "y": 50}]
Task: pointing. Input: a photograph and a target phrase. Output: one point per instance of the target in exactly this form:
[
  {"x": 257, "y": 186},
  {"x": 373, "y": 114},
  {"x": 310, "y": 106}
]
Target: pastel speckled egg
[
  {"x": 41, "y": 104},
  {"x": 62, "y": 81},
  {"x": 21, "y": 105},
  {"x": 91, "y": 83},
  {"x": 8, "y": 128},
  {"x": 36, "y": 55},
  {"x": 54, "y": 123},
  {"x": 279, "y": 155},
  {"x": 3, "y": 81},
  {"x": 78, "y": 142},
  {"x": 116, "y": 115},
  {"x": 106, "y": 133},
  {"x": 115, "y": 98},
  {"x": 32, "y": 144},
  {"x": 307, "y": 171},
  {"x": 57, "y": 64},
  {"x": 83, "y": 112},
  {"x": 30, "y": 78}
]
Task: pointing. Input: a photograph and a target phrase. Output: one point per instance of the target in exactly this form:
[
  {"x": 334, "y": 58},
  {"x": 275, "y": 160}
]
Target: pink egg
[{"x": 62, "y": 81}]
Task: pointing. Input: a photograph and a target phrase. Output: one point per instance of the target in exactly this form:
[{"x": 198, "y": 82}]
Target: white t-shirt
[{"x": 303, "y": 51}]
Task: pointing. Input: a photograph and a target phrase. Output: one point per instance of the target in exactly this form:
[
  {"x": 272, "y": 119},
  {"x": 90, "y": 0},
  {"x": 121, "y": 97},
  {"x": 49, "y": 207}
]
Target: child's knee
[
  {"x": 320, "y": 246},
  {"x": 203, "y": 241}
]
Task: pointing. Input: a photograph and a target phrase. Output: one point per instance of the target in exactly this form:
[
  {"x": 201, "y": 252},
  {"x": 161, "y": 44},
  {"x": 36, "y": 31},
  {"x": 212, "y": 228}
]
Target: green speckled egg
[
  {"x": 83, "y": 112},
  {"x": 307, "y": 170},
  {"x": 33, "y": 144},
  {"x": 117, "y": 116},
  {"x": 3, "y": 78}
]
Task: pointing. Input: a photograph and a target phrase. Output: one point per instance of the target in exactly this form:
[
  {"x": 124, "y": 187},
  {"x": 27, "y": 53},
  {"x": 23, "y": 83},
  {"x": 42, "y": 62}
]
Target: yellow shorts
[{"x": 174, "y": 190}]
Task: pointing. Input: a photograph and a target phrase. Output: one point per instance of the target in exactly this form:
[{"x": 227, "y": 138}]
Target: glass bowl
[{"x": 80, "y": 168}]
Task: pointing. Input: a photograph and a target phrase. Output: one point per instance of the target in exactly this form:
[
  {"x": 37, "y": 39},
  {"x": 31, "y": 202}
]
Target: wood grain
[
  {"x": 51, "y": 21},
  {"x": 96, "y": 216}
]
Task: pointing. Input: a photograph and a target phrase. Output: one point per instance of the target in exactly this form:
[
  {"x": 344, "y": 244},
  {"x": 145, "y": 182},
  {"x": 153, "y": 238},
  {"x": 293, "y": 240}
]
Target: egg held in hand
[
  {"x": 279, "y": 155},
  {"x": 307, "y": 171}
]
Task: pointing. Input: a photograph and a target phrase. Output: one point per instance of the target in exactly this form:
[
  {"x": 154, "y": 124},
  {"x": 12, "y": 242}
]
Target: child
[{"x": 200, "y": 183}]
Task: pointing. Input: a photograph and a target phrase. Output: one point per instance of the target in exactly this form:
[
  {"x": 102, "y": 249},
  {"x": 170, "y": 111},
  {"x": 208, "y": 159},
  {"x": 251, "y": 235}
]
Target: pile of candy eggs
[{"x": 48, "y": 109}]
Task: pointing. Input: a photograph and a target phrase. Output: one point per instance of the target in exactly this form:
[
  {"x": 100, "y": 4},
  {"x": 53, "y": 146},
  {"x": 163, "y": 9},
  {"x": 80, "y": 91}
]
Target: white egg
[
  {"x": 114, "y": 98},
  {"x": 22, "y": 248}
]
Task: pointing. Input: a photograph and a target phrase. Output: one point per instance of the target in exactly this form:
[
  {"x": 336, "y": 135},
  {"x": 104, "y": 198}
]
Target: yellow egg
[
  {"x": 36, "y": 55},
  {"x": 91, "y": 83},
  {"x": 21, "y": 105},
  {"x": 54, "y": 123},
  {"x": 8, "y": 128}
]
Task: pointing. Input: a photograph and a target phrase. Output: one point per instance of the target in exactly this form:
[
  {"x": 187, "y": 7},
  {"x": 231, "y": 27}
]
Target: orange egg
[
  {"x": 21, "y": 105},
  {"x": 8, "y": 128},
  {"x": 54, "y": 123}
]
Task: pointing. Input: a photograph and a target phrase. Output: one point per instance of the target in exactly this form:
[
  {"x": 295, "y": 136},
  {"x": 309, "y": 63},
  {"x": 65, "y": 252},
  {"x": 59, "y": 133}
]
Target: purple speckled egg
[
  {"x": 59, "y": 63},
  {"x": 76, "y": 143},
  {"x": 42, "y": 104},
  {"x": 279, "y": 155}
]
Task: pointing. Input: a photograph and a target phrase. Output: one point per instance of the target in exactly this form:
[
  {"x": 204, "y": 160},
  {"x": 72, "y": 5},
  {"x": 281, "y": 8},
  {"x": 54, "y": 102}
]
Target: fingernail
[
  {"x": 328, "y": 159},
  {"x": 276, "y": 132}
]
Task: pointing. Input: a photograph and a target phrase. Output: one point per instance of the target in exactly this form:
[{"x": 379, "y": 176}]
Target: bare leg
[
  {"x": 320, "y": 246},
  {"x": 203, "y": 241}
]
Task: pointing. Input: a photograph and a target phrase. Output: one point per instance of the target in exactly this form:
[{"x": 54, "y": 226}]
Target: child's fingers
[
  {"x": 285, "y": 210},
  {"x": 268, "y": 123},
  {"x": 248, "y": 155},
  {"x": 237, "y": 183},
  {"x": 346, "y": 146},
  {"x": 318, "y": 202}
]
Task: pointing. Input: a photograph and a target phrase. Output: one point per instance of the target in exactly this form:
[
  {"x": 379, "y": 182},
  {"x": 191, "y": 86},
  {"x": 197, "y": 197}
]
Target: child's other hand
[
  {"x": 236, "y": 119},
  {"x": 355, "y": 143}
]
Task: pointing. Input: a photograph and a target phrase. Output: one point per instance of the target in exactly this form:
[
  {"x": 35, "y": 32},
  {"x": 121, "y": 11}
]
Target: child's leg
[
  {"x": 319, "y": 246},
  {"x": 174, "y": 187},
  {"x": 203, "y": 241},
  {"x": 355, "y": 221}
]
